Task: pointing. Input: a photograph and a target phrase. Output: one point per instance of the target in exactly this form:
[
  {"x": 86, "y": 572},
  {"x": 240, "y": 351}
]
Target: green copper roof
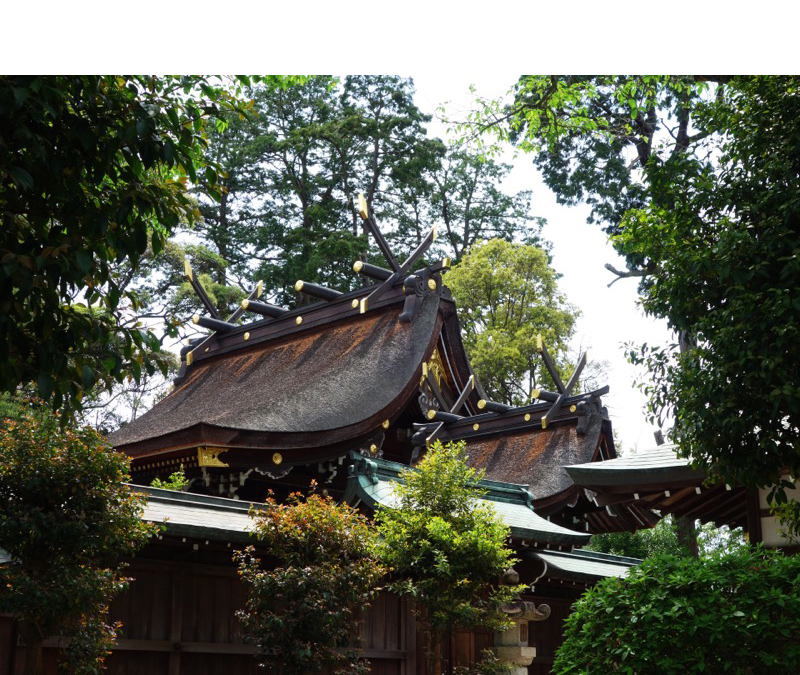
[
  {"x": 642, "y": 468},
  {"x": 372, "y": 481},
  {"x": 197, "y": 516},
  {"x": 585, "y": 565}
]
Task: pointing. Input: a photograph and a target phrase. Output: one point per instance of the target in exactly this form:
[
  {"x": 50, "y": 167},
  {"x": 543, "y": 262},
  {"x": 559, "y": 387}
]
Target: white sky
[{"x": 610, "y": 316}]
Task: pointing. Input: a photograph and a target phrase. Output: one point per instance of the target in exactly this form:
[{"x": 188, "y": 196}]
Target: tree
[
  {"x": 92, "y": 169},
  {"x": 293, "y": 170},
  {"x": 445, "y": 548},
  {"x": 507, "y": 294},
  {"x": 595, "y": 138},
  {"x": 735, "y": 613},
  {"x": 66, "y": 520},
  {"x": 303, "y": 604},
  {"x": 699, "y": 184},
  {"x": 661, "y": 539},
  {"x": 461, "y": 194}
]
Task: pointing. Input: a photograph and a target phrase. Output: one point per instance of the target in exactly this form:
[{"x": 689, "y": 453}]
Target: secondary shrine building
[{"x": 348, "y": 392}]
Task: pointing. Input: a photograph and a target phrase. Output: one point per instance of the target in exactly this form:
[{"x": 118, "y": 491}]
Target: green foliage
[
  {"x": 583, "y": 132},
  {"x": 444, "y": 547},
  {"x": 460, "y": 192},
  {"x": 292, "y": 171},
  {"x": 66, "y": 519},
  {"x": 506, "y": 295},
  {"x": 724, "y": 269},
  {"x": 661, "y": 539},
  {"x": 302, "y": 612},
  {"x": 697, "y": 178},
  {"x": 177, "y": 481},
  {"x": 489, "y": 665},
  {"x": 735, "y": 613},
  {"x": 92, "y": 170}
]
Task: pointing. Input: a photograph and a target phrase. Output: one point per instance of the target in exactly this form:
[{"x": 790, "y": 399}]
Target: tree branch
[{"x": 626, "y": 273}]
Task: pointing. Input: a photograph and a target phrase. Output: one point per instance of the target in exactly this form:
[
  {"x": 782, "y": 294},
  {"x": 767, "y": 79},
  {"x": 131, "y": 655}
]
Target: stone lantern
[{"x": 512, "y": 644}]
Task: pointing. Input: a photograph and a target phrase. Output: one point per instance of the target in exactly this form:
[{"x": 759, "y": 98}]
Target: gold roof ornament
[
  {"x": 209, "y": 456},
  {"x": 277, "y": 459}
]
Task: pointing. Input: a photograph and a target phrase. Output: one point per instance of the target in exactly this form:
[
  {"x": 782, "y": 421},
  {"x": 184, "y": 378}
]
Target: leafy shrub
[
  {"x": 301, "y": 612},
  {"x": 734, "y": 613},
  {"x": 66, "y": 520},
  {"x": 446, "y": 548}
]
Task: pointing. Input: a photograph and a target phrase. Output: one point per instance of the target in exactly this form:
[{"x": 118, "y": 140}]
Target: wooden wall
[{"x": 179, "y": 618}]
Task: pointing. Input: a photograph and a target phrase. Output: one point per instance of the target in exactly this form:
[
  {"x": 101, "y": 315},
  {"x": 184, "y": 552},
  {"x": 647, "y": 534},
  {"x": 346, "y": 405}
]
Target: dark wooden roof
[
  {"x": 315, "y": 386},
  {"x": 536, "y": 457}
]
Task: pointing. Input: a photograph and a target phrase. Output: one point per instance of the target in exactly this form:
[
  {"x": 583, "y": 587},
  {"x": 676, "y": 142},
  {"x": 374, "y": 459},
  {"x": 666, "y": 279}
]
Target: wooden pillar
[
  {"x": 176, "y": 622},
  {"x": 753, "y": 517}
]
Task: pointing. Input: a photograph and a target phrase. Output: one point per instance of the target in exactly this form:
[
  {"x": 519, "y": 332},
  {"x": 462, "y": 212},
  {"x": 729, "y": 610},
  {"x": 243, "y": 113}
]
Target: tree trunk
[
  {"x": 687, "y": 535},
  {"x": 33, "y": 649}
]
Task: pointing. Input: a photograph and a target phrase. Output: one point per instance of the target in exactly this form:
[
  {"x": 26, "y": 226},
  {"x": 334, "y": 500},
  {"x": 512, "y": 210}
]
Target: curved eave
[
  {"x": 582, "y": 566},
  {"x": 656, "y": 466}
]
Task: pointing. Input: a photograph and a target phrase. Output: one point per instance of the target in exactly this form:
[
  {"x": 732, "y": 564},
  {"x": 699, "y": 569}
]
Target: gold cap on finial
[
  {"x": 245, "y": 303},
  {"x": 259, "y": 289},
  {"x": 298, "y": 320},
  {"x": 430, "y": 414},
  {"x": 187, "y": 269},
  {"x": 481, "y": 404},
  {"x": 196, "y": 318},
  {"x": 298, "y": 285},
  {"x": 363, "y": 208},
  {"x": 539, "y": 343},
  {"x": 357, "y": 265}
]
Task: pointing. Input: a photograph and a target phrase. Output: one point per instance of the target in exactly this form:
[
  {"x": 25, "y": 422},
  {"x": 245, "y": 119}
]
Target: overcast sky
[{"x": 610, "y": 316}]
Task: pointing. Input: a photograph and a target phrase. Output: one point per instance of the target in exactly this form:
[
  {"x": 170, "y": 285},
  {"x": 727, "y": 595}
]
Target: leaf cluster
[
  {"x": 506, "y": 295},
  {"x": 177, "y": 481},
  {"x": 66, "y": 520},
  {"x": 445, "y": 547},
  {"x": 734, "y": 613},
  {"x": 303, "y": 602},
  {"x": 725, "y": 269},
  {"x": 92, "y": 171}
]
